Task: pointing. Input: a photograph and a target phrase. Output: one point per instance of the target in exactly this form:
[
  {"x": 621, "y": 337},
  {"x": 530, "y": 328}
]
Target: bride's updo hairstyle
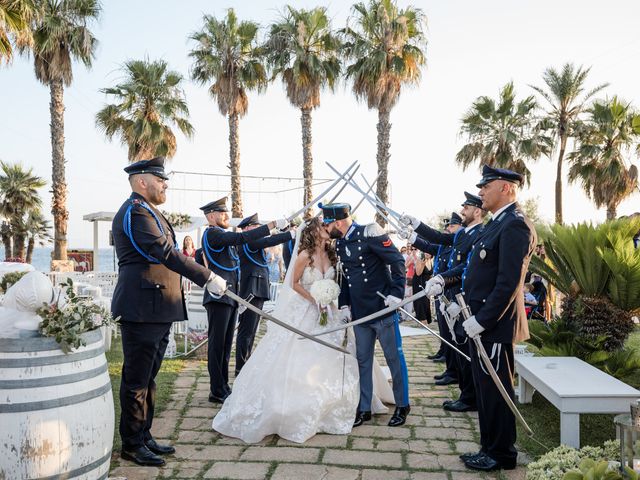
[{"x": 309, "y": 240}]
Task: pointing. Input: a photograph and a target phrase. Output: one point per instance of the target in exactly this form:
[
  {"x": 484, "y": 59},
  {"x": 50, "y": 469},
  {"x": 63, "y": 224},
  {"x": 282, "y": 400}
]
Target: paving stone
[
  {"x": 443, "y": 433},
  {"x": 287, "y": 471},
  {"x": 464, "y": 447},
  {"x": 369, "y": 474},
  {"x": 281, "y": 454},
  {"x": 320, "y": 440},
  {"x": 163, "y": 429},
  {"x": 362, "y": 443},
  {"x": 435, "y": 462},
  {"x": 196, "y": 424},
  {"x": 208, "y": 452},
  {"x": 433, "y": 476},
  {"x": 189, "y": 469},
  {"x": 363, "y": 457},
  {"x": 199, "y": 412},
  {"x": 238, "y": 470},
  {"x": 393, "y": 445},
  {"x": 381, "y": 431},
  {"x": 197, "y": 436},
  {"x": 135, "y": 473}
]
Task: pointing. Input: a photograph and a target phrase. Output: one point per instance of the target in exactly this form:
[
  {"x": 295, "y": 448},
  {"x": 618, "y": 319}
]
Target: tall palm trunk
[
  {"x": 382, "y": 157},
  {"x": 307, "y": 159},
  {"x": 58, "y": 184},
  {"x": 6, "y": 241},
  {"x": 30, "y": 247},
  {"x": 563, "y": 147},
  {"x": 19, "y": 248},
  {"x": 234, "y": 165},
  {"x": 612, "y": 211}
]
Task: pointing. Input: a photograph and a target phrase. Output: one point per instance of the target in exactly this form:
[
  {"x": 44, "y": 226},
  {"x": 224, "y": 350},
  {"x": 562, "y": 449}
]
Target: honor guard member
[
  {"x": 148, "y": 298},
  {"x": 462, "y": 243},
  {"x": 287, "y": 252},
  {"x": 493, "y": 290},
  {"x": 220, "y": 254},
  {"x": 254, "y": 284},
  {"x": 370, "y": 263}
]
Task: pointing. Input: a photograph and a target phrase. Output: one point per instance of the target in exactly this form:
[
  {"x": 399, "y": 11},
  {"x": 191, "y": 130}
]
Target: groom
[{"x": 370, "y": 264}]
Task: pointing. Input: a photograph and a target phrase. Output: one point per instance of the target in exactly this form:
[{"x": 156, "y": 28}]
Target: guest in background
[
  {"x": 424, "y": 270},
  {"x": 188, "y": 248}
]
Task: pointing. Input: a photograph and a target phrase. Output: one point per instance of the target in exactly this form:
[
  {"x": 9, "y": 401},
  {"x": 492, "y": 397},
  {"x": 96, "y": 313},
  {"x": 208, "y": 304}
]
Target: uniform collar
[
  {"x": 350, "y": 231},
  {"x": 499, "y": 212},
  {"x": 471, "y": 227}
]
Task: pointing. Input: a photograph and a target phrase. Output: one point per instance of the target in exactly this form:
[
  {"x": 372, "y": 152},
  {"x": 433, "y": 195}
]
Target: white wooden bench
[{"x": 573, "y": 387}]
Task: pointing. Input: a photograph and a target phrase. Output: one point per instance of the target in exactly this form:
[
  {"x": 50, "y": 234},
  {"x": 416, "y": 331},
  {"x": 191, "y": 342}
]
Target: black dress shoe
[
  {"x": 469, "y": 456},
  {"x": 215, "y": 399},
  {"x": 487, "y": 464},
  {"x": 446, "y": 381},
  {"x": 439, "y": 376},
  {"x": 459, "y": 406},
  {"x": 158, "y": 449},
  {"x": 439, "y": 359},
  {"x": 399, "y": 416},
  {"x": 142, "y": 456},
  {"x": 447, "y": 402},
  {"x": 361, "y": 417}
]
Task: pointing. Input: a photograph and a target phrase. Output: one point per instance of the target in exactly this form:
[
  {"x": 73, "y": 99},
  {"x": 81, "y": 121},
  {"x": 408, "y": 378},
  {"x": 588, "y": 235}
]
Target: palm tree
[
  {"x": 18, "y": 196},
  {"x": 503, "y": 134},
  {"x": 600, "y": 161},
  {"x": 6, "y": 234},
  {"x": 150, "y": 99},
  {"x": 387, "y": 49},
  {"x": 38, "y": 230},
  {"x": 563, "y": 93},
  {"x": 16, "y": 17},
  {"x": 61, "y": 35},
  {"x": 304, "y": 51},
  {"x": 226, "y": 54}
]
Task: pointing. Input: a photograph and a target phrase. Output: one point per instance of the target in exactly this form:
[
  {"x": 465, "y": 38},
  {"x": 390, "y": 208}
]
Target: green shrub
[{"x": 10, "y": 278}]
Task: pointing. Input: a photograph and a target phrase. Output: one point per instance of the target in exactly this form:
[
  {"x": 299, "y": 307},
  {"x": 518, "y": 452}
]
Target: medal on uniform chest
[
  {"x": 483, "y": 254},
  {"x": 458, "y": 258},
  {"x": 347, "y": 251}
]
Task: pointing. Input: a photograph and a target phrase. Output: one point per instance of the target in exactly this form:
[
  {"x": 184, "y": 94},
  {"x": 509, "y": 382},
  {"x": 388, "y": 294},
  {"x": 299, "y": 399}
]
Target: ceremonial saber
[
  {"x": 344, "y": 185},
  {"x": 432, "y": 332},
  {"x": 373, "y": 316},
  {"x": 319, "y": 197},
  {"x": 353, "y": 210},
  {"x": 268, "y": 316},
  {"x": 482, "y": 353},
  {"x": 380, "y": 202},
  {"x": 372, "y": 202},
  {"x": 368, "y": 197}
]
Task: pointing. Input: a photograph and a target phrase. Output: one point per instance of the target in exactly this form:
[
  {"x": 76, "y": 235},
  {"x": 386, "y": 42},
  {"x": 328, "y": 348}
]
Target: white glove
[
  {"x": 443, "y": 308},
  {"x": 216, "y": 285},
  {"x": 392, "y": 301},
  {"x": 453, "y": 310},
  {"x": 345, "y": 314},
  {"x": 281, "y": 223},
  {"x": 434, "y": 286},
  {"x": 293, "y": 233},
  {"x": 408, "y": 220},
  {"x": 472, "y": 327},
  {"x": 408, "y": 234}
]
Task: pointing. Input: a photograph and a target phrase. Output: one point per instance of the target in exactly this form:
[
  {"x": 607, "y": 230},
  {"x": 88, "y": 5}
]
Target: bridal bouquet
[{"x": 324, "y": 292}]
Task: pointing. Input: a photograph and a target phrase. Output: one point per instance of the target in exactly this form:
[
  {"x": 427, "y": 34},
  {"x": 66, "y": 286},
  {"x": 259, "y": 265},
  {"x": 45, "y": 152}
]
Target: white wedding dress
[{"x": 296, "y": 388}]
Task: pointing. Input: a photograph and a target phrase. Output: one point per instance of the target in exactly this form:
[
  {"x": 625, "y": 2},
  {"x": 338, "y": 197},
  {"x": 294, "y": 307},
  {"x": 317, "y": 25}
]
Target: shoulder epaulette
[{"x": 373, "y": 230}]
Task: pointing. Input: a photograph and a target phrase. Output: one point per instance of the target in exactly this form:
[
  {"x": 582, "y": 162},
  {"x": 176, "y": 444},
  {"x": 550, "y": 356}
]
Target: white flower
[{"x": 325, "y": 291}]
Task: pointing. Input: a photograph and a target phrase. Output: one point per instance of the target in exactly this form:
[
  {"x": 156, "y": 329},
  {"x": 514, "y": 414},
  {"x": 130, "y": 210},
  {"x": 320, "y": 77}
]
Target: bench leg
[
  {"x": 525, "y": 391},
  {"x": 570, "y": 429}
]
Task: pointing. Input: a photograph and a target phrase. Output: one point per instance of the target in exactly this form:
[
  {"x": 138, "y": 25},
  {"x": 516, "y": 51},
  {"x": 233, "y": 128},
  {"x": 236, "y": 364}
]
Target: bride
[{"x": 297, "y": 388}]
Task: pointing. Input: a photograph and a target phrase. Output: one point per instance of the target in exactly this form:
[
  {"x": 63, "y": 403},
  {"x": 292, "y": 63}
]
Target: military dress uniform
[
  {"x": 148, "y": 297},
  {"x": 220, "y": 254},
  {"x": 492, "y": 287},
  {"x": 254, "y": 283},
  {"x": 371, "y": 263},
  {"x": 287, "y": 252}
]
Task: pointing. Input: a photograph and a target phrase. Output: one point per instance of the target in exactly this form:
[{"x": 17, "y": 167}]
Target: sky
[{"x": 474, "y": 48}]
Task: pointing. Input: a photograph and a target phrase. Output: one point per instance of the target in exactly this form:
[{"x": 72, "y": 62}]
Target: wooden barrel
[{"x": 56, "y": 410}]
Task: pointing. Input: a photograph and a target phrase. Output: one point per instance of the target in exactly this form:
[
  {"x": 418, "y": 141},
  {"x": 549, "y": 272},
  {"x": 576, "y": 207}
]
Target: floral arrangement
[
  {"x": 177, "y": 220},
  {"x": 324, "y": 292},
  {"x": 561, "y": 460},
  {"x": 67, "y": 320}
]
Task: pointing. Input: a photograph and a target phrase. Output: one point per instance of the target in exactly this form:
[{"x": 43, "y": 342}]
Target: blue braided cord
[
  {"x": 453, "y": 249},
  {"x": 126, "y": 225},
  {"x": 207, "y": 247},
  {"x": 248, "y": 253}
]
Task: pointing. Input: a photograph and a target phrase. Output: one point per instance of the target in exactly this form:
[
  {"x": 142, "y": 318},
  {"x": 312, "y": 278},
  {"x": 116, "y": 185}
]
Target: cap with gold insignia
[
  {"x": 332, "y": 212},
  {"x": 489, "y": 174},
  {"x": 155, "y": 166},
  {"x": 248, "y": 221},
  {"x": 219, "y": 205},
  {"x": 473, "y": 200}
]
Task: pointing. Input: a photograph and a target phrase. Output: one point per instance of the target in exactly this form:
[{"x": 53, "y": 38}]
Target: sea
[{"x": 107, "y": 260}]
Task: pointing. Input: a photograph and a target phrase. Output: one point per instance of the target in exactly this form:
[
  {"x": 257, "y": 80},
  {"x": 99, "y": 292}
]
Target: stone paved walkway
[{"x": 426, "y": 448}]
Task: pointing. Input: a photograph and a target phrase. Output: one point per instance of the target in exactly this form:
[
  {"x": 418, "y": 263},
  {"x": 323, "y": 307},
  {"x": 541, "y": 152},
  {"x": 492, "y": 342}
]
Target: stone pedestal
[{"x": 62, "y": 265}]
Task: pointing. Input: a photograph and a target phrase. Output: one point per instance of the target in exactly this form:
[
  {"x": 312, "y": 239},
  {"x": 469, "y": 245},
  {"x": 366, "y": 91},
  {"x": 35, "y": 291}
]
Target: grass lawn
[
  {"x": 165, "y": 379},
  {"x": 544, "y": 419}
]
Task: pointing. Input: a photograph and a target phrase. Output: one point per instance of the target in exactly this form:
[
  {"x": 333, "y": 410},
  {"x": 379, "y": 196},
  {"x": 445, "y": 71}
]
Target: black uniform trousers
[
  {"x": 497, "y": 422},
  {"x": 248, "y": 322},
  {"x": 449, "y": 355},
  {"x": 465, "y": 376},
  {"x": 143, "y": 346},
  {"x": 222, "y": 324}
]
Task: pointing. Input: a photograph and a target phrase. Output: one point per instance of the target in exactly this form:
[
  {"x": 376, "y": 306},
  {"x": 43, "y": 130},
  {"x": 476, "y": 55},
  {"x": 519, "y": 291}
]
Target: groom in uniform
[{"x": 370, "y": 264}]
